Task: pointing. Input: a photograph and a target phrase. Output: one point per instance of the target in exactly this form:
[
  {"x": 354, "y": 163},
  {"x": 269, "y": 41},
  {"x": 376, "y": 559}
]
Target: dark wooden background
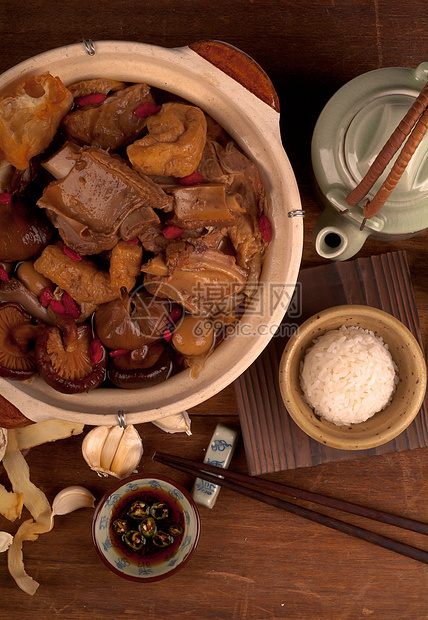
[{"x": 253, "y": 561}]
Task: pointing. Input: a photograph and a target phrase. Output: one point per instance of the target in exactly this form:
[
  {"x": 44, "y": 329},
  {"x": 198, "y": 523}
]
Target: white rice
[{"x": 348, "y": 375}]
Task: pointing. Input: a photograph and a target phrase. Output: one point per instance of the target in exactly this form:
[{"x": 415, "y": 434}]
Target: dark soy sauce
[{"x": 149, "y": 552}]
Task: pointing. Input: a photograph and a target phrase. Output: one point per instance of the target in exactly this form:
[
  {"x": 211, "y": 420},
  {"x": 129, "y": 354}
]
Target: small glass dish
[{"x": 144, "y": 555}]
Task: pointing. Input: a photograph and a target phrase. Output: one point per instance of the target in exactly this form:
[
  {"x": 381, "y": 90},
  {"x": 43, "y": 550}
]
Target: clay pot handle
[{"x": 241, "y": 67}]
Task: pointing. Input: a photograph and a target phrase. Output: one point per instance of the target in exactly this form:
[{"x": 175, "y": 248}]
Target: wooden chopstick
[
  {"x": 229, "y": 479},
  {"x": 331, "y": 502}
]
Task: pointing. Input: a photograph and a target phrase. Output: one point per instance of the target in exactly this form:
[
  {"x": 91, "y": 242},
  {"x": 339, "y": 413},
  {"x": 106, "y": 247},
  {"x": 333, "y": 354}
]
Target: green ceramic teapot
[{"x": 351, "y": 130}]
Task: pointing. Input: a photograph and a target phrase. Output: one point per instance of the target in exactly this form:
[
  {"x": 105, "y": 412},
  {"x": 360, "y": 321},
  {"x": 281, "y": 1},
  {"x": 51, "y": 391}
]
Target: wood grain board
[{"x": 273, "y": 442}]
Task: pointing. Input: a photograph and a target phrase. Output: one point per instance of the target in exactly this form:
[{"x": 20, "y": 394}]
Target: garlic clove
[
  {"x": 111, "y": 450},
  {"x": 6, "y": 540},
  {"x": 72, "y": 498},
  {"x": 175, "y": 423},
  {"x": 128, "y": 453},
  {"x": 93, "y": 444},
  {"x": 3, "y": 441},
  {"x": 110, "y": 446}
]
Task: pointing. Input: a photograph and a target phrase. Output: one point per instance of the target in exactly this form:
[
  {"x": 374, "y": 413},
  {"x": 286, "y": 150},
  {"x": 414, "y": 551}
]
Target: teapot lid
[{"x": 351, "y": 130}]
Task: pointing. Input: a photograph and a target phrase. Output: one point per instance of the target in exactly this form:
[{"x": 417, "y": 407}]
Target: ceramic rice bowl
[{"x": 406, "y": 400}]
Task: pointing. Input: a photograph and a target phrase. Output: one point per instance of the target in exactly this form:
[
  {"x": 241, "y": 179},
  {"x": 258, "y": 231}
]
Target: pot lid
[{"x": 351, "y": 130}]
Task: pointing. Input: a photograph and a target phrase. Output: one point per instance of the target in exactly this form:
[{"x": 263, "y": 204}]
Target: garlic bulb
[
  {"x": 3, "y": 442},
  {"x": 113, "y": 450},
  {"x": 72, "y": 498},
  {"x": 6, "y": 540}
]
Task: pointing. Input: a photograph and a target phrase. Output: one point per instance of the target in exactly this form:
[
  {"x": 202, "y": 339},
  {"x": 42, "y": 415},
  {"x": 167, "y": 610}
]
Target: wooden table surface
[{"x": 253, "y": 561}]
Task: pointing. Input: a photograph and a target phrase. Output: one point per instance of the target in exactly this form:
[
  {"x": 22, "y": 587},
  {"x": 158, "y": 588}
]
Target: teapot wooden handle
[{"x": 241, "y": 67}]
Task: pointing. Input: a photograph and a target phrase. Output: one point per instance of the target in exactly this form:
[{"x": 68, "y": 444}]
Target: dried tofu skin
[
  {"x": 174, "y": 144},
  {"x": 125, "y": 265},
  {"x": 30, "y": 117},
  {"x": 81, "y": 279}
]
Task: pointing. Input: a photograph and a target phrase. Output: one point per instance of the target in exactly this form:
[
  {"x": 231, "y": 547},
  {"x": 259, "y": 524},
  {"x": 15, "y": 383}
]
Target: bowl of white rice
[{"x": 353, "y": 377}]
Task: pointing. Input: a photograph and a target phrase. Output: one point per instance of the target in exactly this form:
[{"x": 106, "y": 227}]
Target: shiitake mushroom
[
  {"x": 155, "y": 365},
  {"x": 63, "y": 359},
  {"x": 14, "y": 291},
  {"x": 131, "y": 321},
  {"x": 34, "y": 281},
  {"x": 17, "y": 337},
  {"x": 24, "y": 232}
]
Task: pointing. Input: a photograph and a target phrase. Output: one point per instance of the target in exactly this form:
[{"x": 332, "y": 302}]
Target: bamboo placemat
[{"x": 273, "y": 442}]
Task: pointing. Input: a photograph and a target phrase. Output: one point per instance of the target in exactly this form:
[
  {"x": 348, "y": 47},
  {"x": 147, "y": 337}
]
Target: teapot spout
[{"x": 338, "y": 237}]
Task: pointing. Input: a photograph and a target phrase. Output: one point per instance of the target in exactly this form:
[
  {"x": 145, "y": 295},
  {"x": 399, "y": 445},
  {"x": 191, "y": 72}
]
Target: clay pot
[{"x": 236, "y": 92}]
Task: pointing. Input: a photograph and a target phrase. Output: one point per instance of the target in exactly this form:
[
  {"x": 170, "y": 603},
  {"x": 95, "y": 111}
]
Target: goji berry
[
  {"x": 147, "y": 108},
  {"x": 265, "y": 228},
  {"x": 5, "y": 198},
  {"x": 3, "y": 274},
  {"x": 71, "y": 307},
  {"x": 135, "y": 240},
  {"x": 117, "y": 352},
  {"x": 96, "y": 351},
  {"x": 46, "y": 297},
  {"x": 192, "y": 179},
  {"x": 57, "y": 307},
  {"x": 172, "y": 232},
  {"x": 71, "y": 253},
  {"x": 174, "y": 315},
  {"x": 90, "y": 99},
  {"x": 167, "y": 335}
]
